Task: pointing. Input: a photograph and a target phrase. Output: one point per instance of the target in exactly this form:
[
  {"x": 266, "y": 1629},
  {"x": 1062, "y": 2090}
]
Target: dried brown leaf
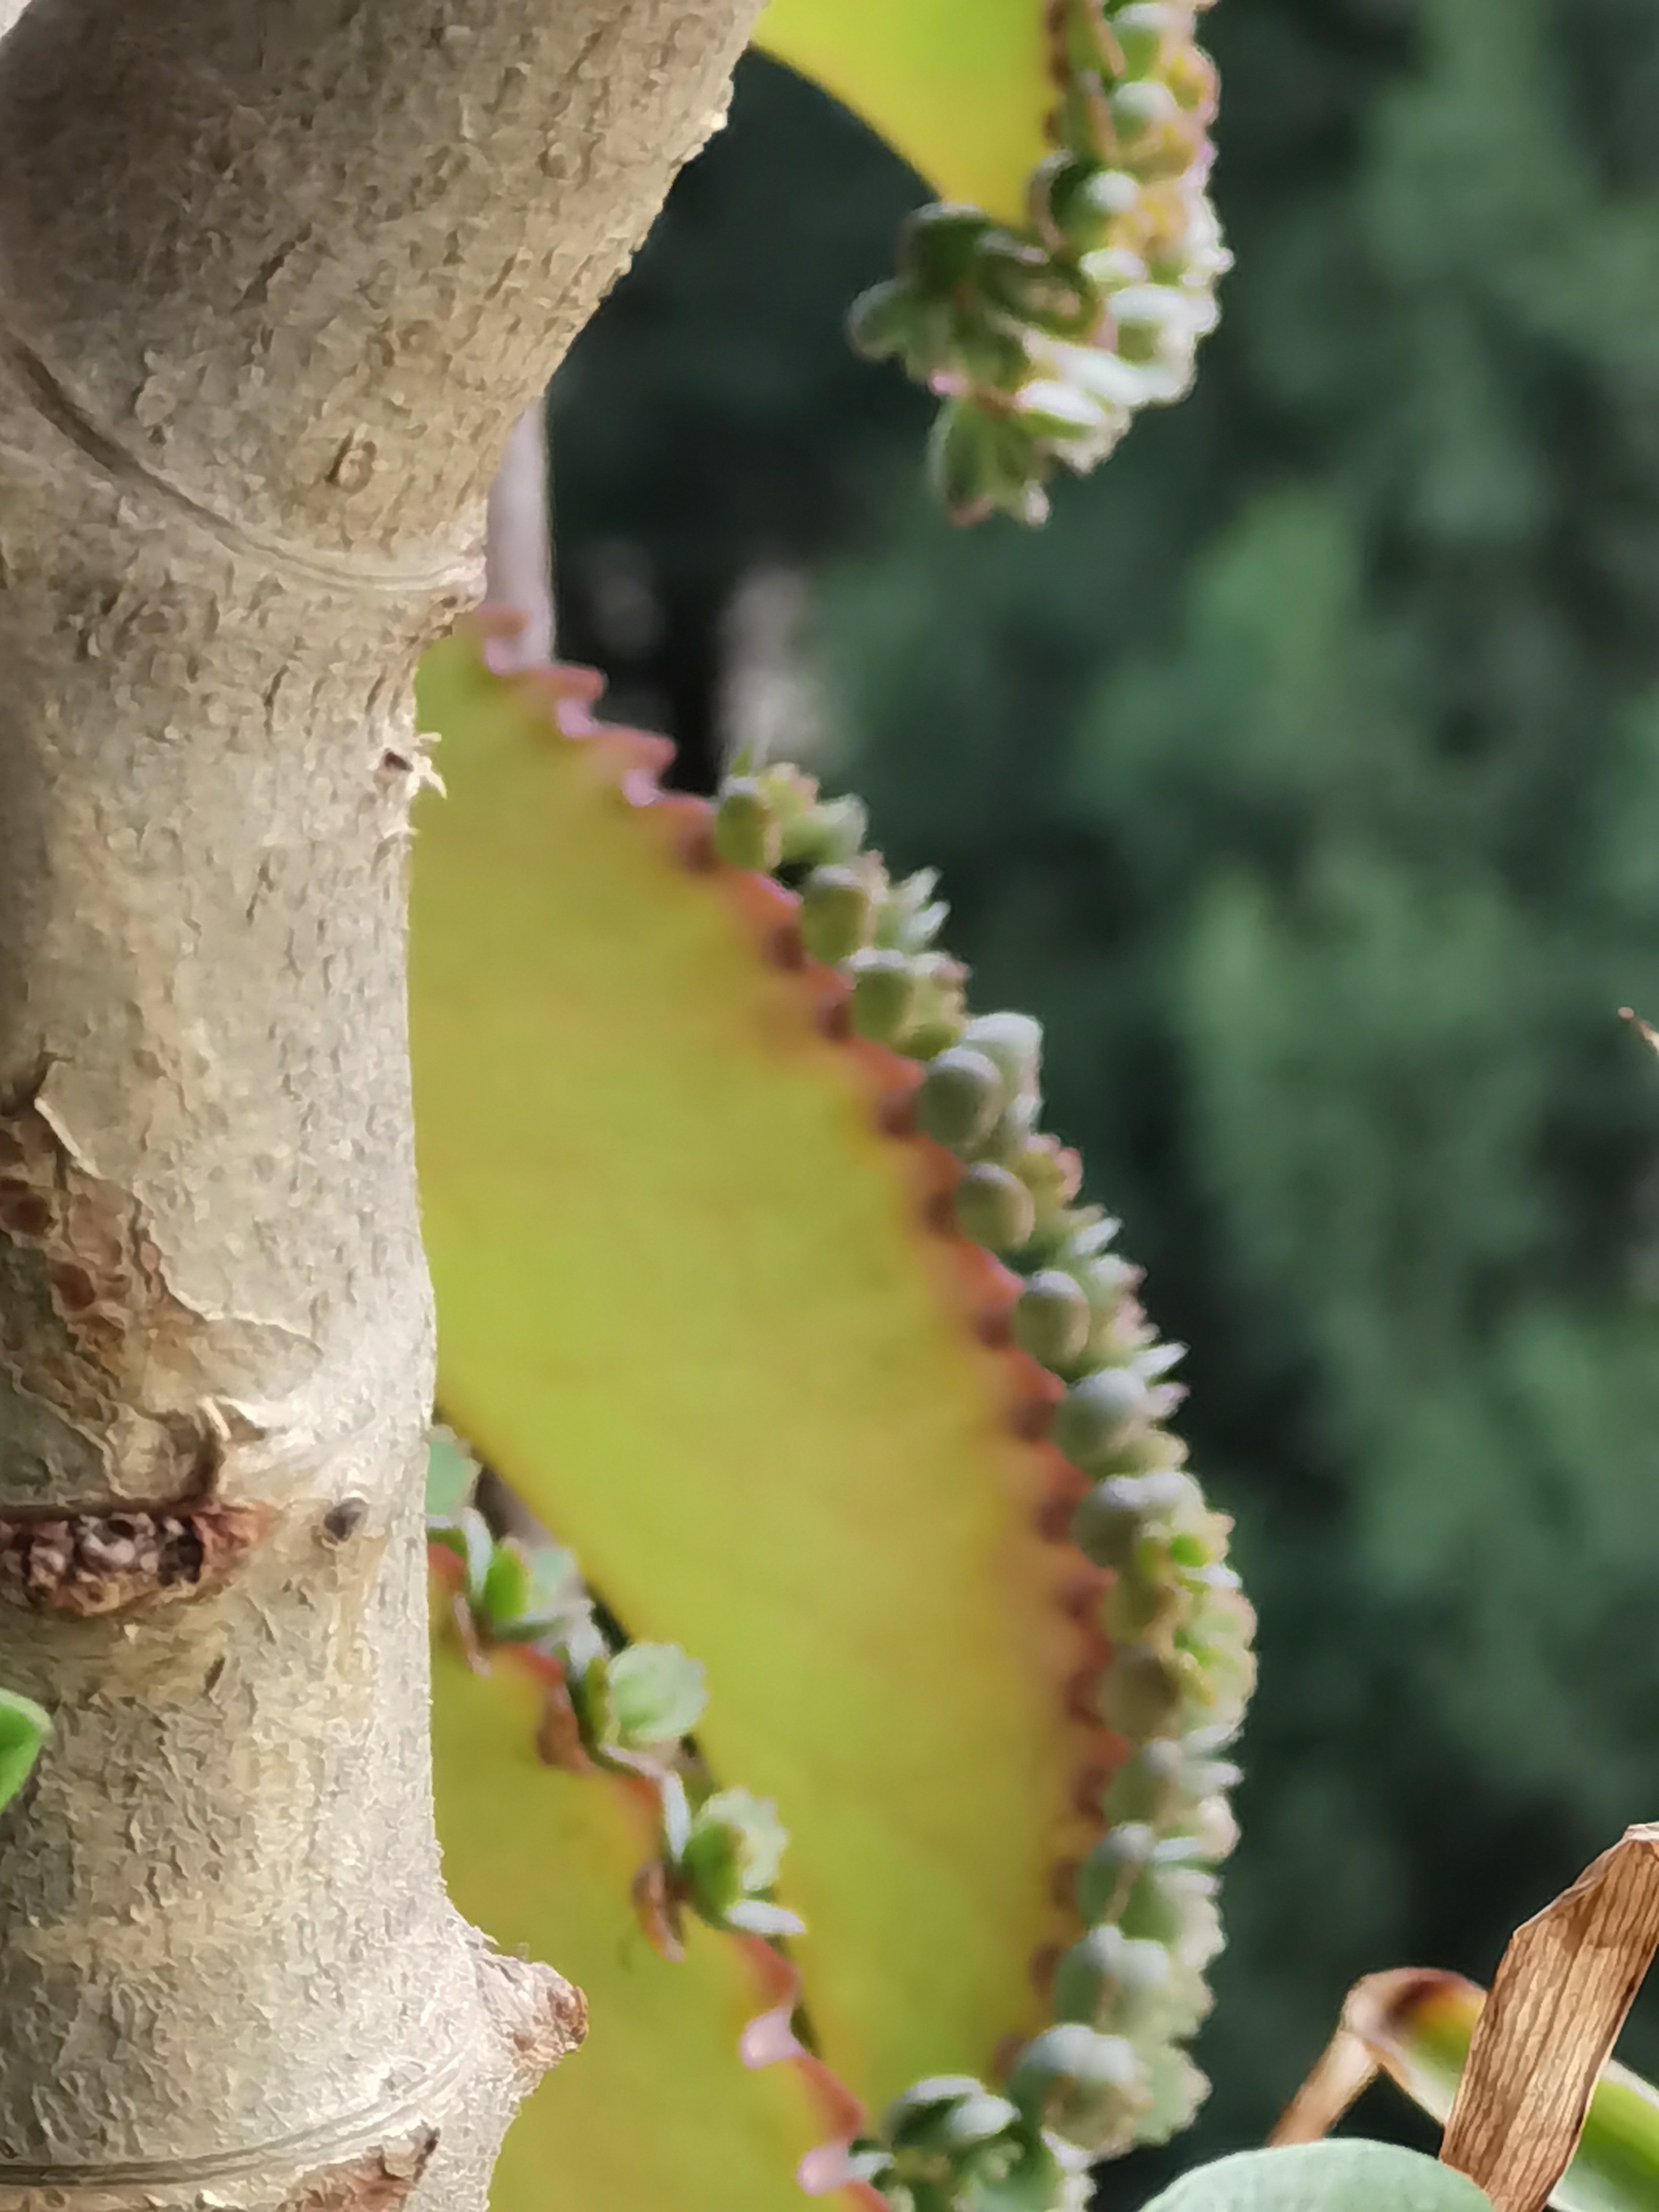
[
  {"x": 1557, "y": 2003},
  {"x": 1405, "y": 2023},
  {"x": 1343, "y": 2070}
]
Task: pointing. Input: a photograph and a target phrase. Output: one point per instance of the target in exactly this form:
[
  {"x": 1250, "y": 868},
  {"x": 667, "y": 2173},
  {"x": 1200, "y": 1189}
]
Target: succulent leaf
[
  {"x": 1349, "y": 2175},
  {"x": 1044, "y": 313},
  {"x": 692, "y": 1308},
  {"x": 779, "y": 1439}
]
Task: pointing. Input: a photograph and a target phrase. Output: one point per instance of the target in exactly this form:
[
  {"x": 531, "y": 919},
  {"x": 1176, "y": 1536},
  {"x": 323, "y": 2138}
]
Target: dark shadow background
[{"x": 1303, "y": 775}]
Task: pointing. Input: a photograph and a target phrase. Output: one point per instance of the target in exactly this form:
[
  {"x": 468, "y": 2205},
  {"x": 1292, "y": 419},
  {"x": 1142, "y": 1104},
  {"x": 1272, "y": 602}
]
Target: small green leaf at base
[
  {"x": 1339, "y": 2176},
  {"x": 24, "y": 1728}
]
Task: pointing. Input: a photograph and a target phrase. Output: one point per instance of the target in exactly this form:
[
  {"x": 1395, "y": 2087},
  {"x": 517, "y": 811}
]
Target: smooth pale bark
[{"x": 275, "y": 278}]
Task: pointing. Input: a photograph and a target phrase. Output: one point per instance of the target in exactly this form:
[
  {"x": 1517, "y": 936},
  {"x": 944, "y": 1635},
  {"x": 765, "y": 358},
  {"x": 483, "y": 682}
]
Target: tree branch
[{"x": 308, "y": 262}]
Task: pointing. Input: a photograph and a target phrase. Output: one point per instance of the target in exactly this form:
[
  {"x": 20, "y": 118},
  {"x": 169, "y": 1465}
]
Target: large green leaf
[
  {"x": 690, "y": 1307},
  {"x": 962, "y": 89},
  {"x": 706, "y": 1302}
]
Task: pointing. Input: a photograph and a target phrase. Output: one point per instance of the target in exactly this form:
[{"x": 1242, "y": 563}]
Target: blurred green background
[{"x": 1303, "y": 776}]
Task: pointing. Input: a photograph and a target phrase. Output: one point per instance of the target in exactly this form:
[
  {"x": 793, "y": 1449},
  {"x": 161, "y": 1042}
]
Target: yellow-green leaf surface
[
  {"x": 656, "y": 2109},
  {"x": 960, "y": 87},
  {"x": 690, "y": 1308}
]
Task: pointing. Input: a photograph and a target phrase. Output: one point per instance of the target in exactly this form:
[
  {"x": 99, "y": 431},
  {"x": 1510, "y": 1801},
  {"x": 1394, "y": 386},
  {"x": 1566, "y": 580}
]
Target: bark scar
[
  {"x": 92, "y": 1339},
  {"x": 376, "y": 2180},
  {"x": 111, "y": 1387},
  {"x": 102, "y": 1273},
  {"x": 87, "y": 1563},
  {"x": 107, "y": 1557}
]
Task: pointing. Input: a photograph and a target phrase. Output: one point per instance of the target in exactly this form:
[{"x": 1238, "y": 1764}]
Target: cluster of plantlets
[
  {"x": 1111, "y": 2071},
  {"x": 629, "y": 1708},
  {"x": 1044, "y": 341}
]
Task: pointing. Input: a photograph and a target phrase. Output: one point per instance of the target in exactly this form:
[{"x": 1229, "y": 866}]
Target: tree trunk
[{"x": 275, "y": 277}]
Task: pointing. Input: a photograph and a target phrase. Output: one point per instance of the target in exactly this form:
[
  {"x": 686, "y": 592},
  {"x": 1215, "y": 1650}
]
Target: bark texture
[{"x": 275, "y": 278}]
